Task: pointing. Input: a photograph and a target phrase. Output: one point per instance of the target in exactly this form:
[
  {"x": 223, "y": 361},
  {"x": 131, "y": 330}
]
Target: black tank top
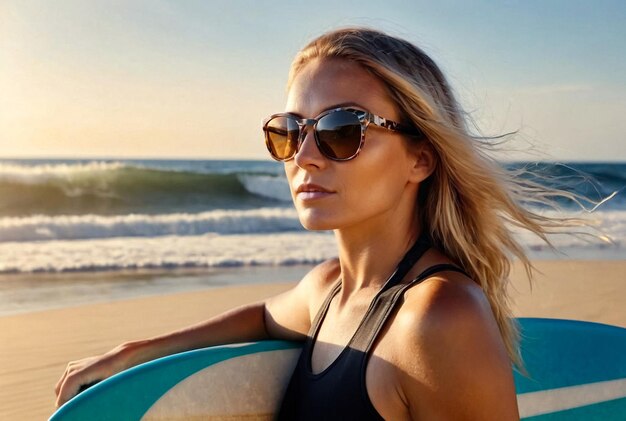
[{"x": 339, "y": 391}]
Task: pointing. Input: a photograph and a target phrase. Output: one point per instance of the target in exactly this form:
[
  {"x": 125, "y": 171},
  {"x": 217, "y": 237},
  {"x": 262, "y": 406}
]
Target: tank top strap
[
  {"x": 410, "y": 258},
  {"x": 385, "y": 303}
]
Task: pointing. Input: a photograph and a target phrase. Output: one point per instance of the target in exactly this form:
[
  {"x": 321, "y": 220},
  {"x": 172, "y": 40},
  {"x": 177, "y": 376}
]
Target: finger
[
  {"x": 68, "y": 390},
  {"x": 65, "y": 393},
  {"x": 69, "y": 386},
  {"x": 70, "y": 368},
  {"x": 57, "y": 387}
]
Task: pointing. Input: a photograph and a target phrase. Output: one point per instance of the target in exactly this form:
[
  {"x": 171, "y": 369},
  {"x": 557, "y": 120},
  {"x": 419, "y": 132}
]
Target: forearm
[
  {"x": 242, "y": 324},
  {"x": 285, "y": 316}
]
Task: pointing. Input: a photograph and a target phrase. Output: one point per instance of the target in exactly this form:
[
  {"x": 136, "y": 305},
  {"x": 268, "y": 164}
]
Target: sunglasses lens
[
  {"x": 281, "y": 136},
  {"x": 339, "y": 134}
]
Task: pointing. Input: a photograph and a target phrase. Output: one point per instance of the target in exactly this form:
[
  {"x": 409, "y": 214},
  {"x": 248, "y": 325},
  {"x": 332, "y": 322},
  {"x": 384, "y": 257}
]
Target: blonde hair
[{"x": 470, "y": 202}]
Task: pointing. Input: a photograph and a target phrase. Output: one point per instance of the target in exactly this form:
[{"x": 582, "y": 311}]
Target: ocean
[
  {"x": 77, "y": 231},
  {"x": 107, "y": 215}
]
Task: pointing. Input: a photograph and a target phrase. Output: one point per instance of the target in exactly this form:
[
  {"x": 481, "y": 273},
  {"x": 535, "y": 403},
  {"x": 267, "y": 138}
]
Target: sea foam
[
  {"x": 167, "y": 252},
  {"x": 74, "y": 227},
  {"x": 267, "y": 240}
]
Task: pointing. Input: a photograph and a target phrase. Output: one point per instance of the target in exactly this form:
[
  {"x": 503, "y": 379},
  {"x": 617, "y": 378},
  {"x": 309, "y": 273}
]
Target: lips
[
  {"x": 311, "y": 188},
  {"x": 309, "y": 191}
]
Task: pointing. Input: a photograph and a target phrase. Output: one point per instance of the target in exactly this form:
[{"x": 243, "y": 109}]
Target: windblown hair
[{"x": 470, "y": 202}]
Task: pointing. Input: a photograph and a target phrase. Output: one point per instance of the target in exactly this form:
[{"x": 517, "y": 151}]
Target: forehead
[{"x": 323, "y": 84}]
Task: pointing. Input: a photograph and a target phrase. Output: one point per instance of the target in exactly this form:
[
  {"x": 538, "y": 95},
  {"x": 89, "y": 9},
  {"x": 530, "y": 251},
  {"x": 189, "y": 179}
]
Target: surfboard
[
  {"x": 575, "y": 371},
  {"x": 231, "y": 382}
]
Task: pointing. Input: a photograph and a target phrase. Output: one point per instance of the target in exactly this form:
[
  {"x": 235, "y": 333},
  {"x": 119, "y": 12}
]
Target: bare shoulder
[
  {"x": 324, "y": 275},
  {"x": 289, "y": 315},
  {"x": 319, "y": 281},
  {"x": 454, "y": 363},
  {"x": 450, "y": 300}
]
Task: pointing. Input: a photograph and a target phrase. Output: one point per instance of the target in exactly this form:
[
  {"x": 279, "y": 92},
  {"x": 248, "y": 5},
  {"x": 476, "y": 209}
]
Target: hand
[{"x": 81, "y": 374}]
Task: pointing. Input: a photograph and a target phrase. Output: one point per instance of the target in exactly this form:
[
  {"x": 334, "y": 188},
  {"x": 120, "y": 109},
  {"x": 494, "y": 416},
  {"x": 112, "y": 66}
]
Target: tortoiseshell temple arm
[{"x": 396, "y": 127}]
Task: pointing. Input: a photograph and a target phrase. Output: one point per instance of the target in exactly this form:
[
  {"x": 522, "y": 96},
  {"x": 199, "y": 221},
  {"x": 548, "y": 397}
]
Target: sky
[{"x": 195, "y": 79}]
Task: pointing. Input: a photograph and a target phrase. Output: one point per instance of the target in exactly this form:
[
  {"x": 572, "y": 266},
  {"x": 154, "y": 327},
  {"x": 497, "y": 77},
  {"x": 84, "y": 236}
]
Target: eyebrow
[{"x": 332, "y": 107}]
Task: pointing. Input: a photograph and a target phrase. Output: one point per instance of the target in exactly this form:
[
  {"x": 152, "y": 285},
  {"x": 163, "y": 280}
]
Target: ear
[{"x": 423, "y": 162}]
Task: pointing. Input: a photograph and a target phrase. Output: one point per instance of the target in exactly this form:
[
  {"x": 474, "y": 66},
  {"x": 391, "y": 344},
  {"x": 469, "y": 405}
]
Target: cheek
[
  {"x": 377, "y": 190},
  {"x": 289, "y": 169},
  {"x": 378, "y": 185}
]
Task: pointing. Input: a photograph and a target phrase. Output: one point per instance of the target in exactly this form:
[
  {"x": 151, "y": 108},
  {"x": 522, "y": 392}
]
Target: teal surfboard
[{"x": 576, "y": 371}]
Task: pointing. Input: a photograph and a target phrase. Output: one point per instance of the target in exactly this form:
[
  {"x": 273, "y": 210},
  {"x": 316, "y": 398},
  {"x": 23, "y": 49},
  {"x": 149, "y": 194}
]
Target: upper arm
[
  {"x": 455, "y": 365},
  {"x": 288, "y": 315}
]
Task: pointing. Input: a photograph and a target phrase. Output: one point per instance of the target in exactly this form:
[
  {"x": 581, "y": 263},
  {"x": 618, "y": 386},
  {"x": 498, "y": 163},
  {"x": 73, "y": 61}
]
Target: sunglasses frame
[{"x": 365, "y": 119}]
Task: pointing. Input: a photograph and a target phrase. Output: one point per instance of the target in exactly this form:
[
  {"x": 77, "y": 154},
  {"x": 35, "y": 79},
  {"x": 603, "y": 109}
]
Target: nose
[{"x": 308, "y": 154}]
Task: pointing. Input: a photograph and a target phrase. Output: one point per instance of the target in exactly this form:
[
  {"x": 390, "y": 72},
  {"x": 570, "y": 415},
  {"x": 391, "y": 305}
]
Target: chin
[
  {"x": 317, "y": 221},
  {"x": 316, "y": 225}
]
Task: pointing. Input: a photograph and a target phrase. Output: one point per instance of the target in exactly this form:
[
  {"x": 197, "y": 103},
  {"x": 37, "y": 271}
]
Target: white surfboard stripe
[{"x": 554, "y": 400}]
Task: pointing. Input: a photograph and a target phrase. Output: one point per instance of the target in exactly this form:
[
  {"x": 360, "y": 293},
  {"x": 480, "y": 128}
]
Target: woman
[{"x": 411, "y": 320}]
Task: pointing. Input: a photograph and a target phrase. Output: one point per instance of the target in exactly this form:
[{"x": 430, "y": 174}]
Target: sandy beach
[{"x": 36, "y": 346}]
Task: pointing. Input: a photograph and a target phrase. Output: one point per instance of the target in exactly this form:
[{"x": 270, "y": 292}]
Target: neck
[{"x": 368, "y": 256}]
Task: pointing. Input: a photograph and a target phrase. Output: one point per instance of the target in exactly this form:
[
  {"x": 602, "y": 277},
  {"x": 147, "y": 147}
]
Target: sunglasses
[{"x": 339, "y": 134}]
